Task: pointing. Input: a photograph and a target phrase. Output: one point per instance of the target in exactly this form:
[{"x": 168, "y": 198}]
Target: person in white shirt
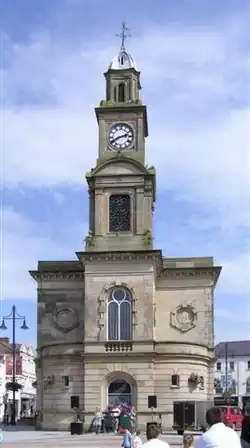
[
  {"x": 97, "y": 424},
  {"x": 116, "y": 414},
  {"x": 137, "y": 440},
  {"x": 153, "y": 432},
  {"x": 218, "y": 435}
]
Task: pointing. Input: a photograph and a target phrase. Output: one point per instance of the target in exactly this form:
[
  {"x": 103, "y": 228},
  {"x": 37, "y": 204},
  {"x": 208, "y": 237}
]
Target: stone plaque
[
  {"x": 65, "y": 319},
  {"x": 183, "y": 319}
]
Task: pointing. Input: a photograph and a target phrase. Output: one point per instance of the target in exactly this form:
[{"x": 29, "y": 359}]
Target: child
[
  {"x": 188, "y": 441},
  {"x": 137, "y": 440},
  {"x": 127, "y": 439}
]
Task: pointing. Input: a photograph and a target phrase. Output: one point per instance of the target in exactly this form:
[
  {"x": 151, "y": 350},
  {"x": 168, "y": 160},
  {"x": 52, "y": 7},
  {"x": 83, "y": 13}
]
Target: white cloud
[
  {"x": 232, "y": 324},
  {"x": 211, "y": 162},
  {"x": 56, "y": 142},
  {"x": 235, "y": 277},
  {"x": 24, "y": 242},
  {"x": 48, "y": 147},
  {"x": 199, "y": 122}
]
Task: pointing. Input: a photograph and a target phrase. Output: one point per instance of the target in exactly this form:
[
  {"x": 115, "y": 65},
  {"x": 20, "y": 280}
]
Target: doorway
[{"x": 119, "y": 392}]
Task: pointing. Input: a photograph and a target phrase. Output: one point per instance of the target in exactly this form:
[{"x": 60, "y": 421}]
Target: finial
[{"x": 123, "y": 35}]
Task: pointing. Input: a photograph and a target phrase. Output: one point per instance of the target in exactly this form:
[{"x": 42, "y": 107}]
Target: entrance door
[{"x": 119, "y": 392}]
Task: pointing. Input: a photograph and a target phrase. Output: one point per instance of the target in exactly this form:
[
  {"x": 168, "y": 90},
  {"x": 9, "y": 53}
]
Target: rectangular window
[
  {"x": 65, "y": 381},
  {"x": 248, "y": 365},
  {"x": 231, "y": 366},
  {"x": 218, "y": 366},
  {"x": 119, "y": 213},
  {"x": 218, "y": 388},
  {"x": 175, "y": 381},
  {"x": 74, "y": 401}
]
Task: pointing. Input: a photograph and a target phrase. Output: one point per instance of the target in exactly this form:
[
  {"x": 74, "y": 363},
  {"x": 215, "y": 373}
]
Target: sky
[{"x": 194, "y": 60}]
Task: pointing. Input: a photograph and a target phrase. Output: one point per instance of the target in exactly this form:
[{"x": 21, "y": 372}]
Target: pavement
[
  {"x": 40, "y": 439},
  {"x": 17, "y": 437}
]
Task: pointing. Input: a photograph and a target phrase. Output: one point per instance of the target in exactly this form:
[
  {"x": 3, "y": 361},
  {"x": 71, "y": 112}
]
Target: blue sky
[{"x": 194, "y": 59}]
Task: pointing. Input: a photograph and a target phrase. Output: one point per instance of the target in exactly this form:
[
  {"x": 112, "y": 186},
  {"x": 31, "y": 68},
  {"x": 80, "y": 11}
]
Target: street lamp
[{"x": 14, "y": 316}]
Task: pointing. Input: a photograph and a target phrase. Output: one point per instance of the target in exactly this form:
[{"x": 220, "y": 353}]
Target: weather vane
[{"x": 123, "y": 35}]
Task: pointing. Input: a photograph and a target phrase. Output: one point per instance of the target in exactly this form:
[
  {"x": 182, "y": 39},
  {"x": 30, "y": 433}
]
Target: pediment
[{"x": 121, "y": 167}]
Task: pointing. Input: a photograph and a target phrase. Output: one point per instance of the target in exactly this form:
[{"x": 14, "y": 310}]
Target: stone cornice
[
  {"x": 150, "y": 255},
  {"x": 211, "y": 271},
  {"x": 61, "y": 272},
  {"x": 57, "y": 275}
]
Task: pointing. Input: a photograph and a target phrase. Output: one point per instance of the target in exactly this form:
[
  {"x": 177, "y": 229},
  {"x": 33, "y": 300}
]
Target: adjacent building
[
  {"x": 25, "y": 373},
  {"x": 4, "y": 351},
  {"x": 123, "y": 322},
  {"x": 232, "y": 370}
]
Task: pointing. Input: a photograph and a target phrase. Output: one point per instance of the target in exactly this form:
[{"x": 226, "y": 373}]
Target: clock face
[{"x": 120, "y": 136}]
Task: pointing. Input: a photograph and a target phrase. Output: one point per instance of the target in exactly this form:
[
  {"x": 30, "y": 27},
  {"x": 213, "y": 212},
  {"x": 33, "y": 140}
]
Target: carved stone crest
[
  {"x": 183, "y": 319},
  {"x": 65, "y": 319}
]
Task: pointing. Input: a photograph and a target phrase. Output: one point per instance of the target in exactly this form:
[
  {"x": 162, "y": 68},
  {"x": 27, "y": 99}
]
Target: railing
[{"x": 118, "y": 347}]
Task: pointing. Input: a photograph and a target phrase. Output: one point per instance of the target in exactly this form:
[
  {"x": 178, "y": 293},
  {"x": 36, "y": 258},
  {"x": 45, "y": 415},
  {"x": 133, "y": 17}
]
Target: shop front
[
  {"x": 28, "y": 405},
  {"x": 232, "y": 400}
]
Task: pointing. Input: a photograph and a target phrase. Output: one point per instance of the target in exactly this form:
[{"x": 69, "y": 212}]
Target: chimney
[{"x": 5, "y": 340}]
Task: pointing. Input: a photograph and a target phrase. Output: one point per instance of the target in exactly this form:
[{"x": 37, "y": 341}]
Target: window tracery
[
  {"x": 119, "y": 315},
  {"x": 119, "y": 213}
]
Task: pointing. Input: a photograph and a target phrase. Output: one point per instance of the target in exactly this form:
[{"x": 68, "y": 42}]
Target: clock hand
[{"x": 119, "y": 136}]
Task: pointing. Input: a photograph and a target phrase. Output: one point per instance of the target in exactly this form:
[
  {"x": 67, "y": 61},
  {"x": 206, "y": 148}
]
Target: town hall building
[{"x": 123, "y": 321}]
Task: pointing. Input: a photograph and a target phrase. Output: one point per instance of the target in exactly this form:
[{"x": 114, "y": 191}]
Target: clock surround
[{"x": 120, "y": 136}]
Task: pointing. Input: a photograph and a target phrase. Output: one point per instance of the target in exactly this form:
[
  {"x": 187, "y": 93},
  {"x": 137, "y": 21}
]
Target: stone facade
[{"x": 172, "y": 332}]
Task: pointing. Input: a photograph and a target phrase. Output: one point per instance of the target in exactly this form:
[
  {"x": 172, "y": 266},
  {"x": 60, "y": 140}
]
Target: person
[
  {"x": 137, "y": 440},
  {"x": 78, "y": 419},
  {"x": 127, "y": 439},
  {"x": 116, "y": 412},
  {"x": 160, "y": 422},
  {"x": 218, "y": 435},
  {"x": 188, "y": 441},
  {"x": 133, "y": 418},
  {"x": 153, "y": 432},
  {"x": 98, "y": 421},
  {"x": 245, "y": 432}
]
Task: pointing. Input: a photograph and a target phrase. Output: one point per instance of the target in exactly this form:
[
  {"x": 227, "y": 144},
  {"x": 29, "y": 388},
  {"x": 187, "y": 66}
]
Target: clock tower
[{"x": 121, "y": 186}]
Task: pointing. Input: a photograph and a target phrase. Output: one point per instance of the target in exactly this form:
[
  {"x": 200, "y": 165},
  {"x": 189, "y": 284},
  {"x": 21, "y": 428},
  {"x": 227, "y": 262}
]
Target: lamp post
[{"x": 14, "y": 316}]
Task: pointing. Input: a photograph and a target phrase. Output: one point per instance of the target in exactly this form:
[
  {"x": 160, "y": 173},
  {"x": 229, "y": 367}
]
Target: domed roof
[{"x": 122, "y": 61}]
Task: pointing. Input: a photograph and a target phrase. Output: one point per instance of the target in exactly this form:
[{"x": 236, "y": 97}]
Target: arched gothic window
[
  {"x": 248, "y": 385},
  {"x": 119, "y": 315},
  {"x": 121, "y": 93}
]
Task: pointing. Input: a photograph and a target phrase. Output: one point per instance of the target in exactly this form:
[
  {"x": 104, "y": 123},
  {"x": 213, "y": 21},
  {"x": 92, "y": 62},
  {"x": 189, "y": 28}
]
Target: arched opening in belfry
[
  {"x": 121, "y": 93},
  {"x": 115, "y": 94}
]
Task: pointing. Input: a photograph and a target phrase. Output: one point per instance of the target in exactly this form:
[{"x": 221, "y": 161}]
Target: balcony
[{"x": 121, "y": 347}]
